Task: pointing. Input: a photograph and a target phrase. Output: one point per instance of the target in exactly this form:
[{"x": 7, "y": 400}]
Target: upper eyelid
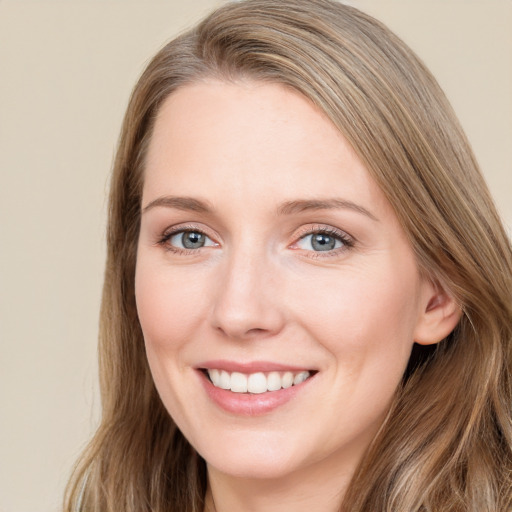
[
  {"x": 347, "y": 240},
  {"x": 322, "y": 228},
  {"x": 179, "y": 228},
  {"x": 300, "y": 232},
  {"x": 296, "y": 235},
  {"x": 163, "y": 237}
]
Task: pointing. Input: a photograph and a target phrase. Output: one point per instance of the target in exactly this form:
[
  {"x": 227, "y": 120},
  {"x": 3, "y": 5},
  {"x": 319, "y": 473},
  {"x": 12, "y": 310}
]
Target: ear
[{"x": 439, "y": 314}]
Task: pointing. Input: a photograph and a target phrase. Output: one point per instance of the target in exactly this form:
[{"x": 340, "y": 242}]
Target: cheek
[
  {"x": 366, "y": 321},
  {"x": 167, "y": 304},
  {"x": 169, "y": 315},
  {"x": 368, "y": 331}
]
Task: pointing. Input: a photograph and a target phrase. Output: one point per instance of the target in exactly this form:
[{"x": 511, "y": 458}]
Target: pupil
[
  {"x": 192, "y": 240},
  {"x": 323, "y": 242}
]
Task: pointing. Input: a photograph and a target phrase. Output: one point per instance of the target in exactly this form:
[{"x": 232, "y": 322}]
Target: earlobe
[{"x": 439, "y": 315}]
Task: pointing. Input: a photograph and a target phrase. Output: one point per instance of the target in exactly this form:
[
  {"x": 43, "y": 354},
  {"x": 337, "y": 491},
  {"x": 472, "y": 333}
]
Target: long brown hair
[{"x": 447, "y": 443}]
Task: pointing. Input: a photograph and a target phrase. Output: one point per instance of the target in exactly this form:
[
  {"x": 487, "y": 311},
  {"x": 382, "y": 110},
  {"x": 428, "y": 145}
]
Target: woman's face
[{"x": 268, "y": 255}]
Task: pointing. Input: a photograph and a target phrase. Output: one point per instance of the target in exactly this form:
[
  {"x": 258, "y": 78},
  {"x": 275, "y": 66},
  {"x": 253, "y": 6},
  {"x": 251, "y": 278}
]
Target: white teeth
[
  {"x": 215, "y": 376},
  {"x": 287, "y": 380},
  {"x": 224, "y": 380},
  {"x": 255, "y": 382},
  {"x": 273, "y": 381},
  {"x": 238, "y": 382},
  {"x": 300, "y": 377}
]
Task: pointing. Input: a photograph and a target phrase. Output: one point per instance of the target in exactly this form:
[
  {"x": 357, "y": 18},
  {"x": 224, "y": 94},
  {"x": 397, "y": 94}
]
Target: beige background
[{"x": 66, "y": 70}]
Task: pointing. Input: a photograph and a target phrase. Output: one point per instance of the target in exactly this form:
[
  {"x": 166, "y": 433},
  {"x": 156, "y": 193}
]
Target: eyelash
[
  {"x": 164, "y": 240},
  {"x": 347, "y": 241}
]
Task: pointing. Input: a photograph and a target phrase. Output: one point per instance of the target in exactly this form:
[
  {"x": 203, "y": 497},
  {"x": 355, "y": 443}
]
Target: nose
[{"x": 247, "y": 302}]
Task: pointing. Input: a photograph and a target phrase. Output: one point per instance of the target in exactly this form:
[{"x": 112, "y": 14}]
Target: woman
[{"x": 307, "y": 295}]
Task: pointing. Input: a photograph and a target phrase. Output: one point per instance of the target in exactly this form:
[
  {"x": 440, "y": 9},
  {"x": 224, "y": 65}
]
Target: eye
[
  {"x": 189, "y": 240},
  {"x": 323, "y": 241}
]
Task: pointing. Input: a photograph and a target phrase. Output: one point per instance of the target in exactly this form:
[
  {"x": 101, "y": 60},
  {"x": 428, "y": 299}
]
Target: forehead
[
  {"x": 216, "y": 113},
  {"x": 251, "y": 138}
]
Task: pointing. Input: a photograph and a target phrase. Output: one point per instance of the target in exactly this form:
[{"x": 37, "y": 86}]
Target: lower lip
[{"x": 247, "y": 404}]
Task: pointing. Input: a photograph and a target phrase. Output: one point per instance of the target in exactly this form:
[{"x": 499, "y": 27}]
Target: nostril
[{"x": 256, "y": 330}]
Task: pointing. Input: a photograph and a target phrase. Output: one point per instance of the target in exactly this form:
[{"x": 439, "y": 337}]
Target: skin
[{"x": 258, "y": 291}]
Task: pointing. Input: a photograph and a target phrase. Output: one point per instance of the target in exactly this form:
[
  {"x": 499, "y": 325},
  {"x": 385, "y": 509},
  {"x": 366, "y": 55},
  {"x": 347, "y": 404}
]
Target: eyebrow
[
  {"x": 180, "y": 203},
  {"x": 300, "y": 206},
  {"x": 287, "y": 208}
]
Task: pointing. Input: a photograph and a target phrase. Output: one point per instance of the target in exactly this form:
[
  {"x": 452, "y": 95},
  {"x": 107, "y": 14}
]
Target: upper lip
[{"x": 250, "y": 367}]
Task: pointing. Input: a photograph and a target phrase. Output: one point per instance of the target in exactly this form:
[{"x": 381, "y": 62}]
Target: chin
[
  {"x": 251, "y": 469},
  {"x": 253, "y": 460}
]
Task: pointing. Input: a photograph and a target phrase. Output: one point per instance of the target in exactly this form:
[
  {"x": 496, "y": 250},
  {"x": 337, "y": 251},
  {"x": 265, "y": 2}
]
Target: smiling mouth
[{"x": 256, "y": 383}]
